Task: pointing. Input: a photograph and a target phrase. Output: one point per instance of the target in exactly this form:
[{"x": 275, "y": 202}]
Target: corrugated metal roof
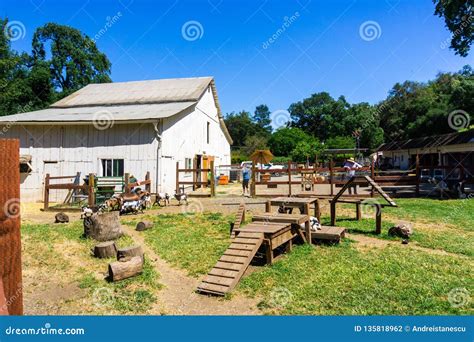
[
  {"x": 137, "y": 92},
  {"x": 431, "y": 141},
  {"x": 88, "y": 114}
]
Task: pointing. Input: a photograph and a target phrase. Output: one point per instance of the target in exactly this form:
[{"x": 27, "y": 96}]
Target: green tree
[
  {"x": 340, "y": 142},
  {"x": 459, "y": 19},
  {"x": 254, "y": 142},
  {"x": 240, "y": 126},
  {"x": 306, "y": 150},
  {"x": 261, "y": 117},
  {"x": 284, "y": 140},
  {"x": 74, "y": 62}
]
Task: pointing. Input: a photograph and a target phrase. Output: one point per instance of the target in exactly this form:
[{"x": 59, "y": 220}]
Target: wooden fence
[{"x": 199, "y": 178}]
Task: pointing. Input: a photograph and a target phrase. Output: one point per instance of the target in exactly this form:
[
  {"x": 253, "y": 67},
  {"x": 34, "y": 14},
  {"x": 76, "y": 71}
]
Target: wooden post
[
  {"x": 372, "y": 175},
  {"x": 269, "y": 253},
  {"x": 317, "y": 210},
  {"x": 177, "y": 177},
  {"x": 418, "y": 175},
  {"x": 91, "y": 198},
  {"x": 253, "y": 187},
  {"x": 10, "y": 239},
  {"x": 127, "y": 183},
  {"x": 378, "y": 219},
  {"x": 330, "y": 177},
  {"x": 307, "y": 224},
  {"x": 46, "y": 192},
  {"x": 333, "y": 213},
  {"x": 194, "y": 173},
  {"x": 213, "y": 179},
  {"x": 268, "y": 206},
  {"x": 289, "y": 178},
  {"x": 147, "y": 185},
  {"x": 358, "y": 212}
]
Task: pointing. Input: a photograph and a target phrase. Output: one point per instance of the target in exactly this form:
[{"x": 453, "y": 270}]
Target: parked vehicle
[{"x": 275, "y": 170}]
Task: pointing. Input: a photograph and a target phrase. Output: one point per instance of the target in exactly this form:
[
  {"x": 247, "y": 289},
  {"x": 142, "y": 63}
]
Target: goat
[
  {"x": 163, "y": 199},
  {"x": 137, "y": 203},
  {"x": 114, "y": 202},
  {"x": 181, "y": 196},
  {"x": 313, "y": 223},
  {"x": 87, "y": 211}
]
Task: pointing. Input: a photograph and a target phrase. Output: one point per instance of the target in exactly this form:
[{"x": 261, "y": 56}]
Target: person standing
[
  {"x": 246, "y": 174},
  {"x": 351, "y": 166}
]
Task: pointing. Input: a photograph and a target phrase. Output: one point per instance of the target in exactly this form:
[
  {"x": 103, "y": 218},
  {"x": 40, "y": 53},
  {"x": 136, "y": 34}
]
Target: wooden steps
[
  {"x": 239, "y": 218},
  {"x": 380, "y": 191},
  {"x": 232, "y": 264},
  {"x": 329, "y": 233}
]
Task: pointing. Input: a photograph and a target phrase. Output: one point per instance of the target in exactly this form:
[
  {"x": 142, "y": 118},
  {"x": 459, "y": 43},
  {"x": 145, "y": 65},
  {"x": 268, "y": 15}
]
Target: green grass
[
  {"x": 193, "y": 242},
  {"x": 133, "y": 295},
  {"x": 444, "y": 225},
  {"x": 340, "y": 280}
]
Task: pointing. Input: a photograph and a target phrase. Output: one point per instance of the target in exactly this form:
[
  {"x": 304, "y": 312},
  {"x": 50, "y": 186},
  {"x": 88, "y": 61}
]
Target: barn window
[
  {"x": 188, "y": 162},
  {"x": 112, "y": 167},
  {"x": 208, "y": 128}
]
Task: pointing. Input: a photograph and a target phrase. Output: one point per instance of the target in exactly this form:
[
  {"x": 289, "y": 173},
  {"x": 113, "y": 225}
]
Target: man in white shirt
[{"x": 351, "y": 166}]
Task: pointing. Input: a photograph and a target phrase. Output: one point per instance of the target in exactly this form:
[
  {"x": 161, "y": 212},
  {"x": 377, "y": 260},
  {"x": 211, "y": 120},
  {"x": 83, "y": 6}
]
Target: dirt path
[{"x": 178, "y": 297}]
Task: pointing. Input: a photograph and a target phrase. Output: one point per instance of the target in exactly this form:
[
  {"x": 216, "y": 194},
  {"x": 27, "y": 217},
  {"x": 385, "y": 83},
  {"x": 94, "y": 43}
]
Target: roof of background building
[{"x": 431, "y": 141}]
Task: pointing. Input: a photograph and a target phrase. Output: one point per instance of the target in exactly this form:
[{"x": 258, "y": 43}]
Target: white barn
[{"x": 114, "y": 128}]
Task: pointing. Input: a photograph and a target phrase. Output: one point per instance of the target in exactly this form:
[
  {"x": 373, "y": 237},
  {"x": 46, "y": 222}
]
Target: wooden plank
[
  {"x": 223, "y": 273},
  {"x": 233, "y": 259},
  {"x": 282, "y": 238},
  {"x": 249, "y": 235},
  {"x": 242, "y": 247},
  {"x": 329, "y": 233},
  {"x": 281, "y": 218},
  {"x": 236, "y": 252},
  {"x": 213, "y": 288},
  {"x": 218, "y": 280},
  {"x": 227, "y": 266},
  {"x": 245, "y": 241}
]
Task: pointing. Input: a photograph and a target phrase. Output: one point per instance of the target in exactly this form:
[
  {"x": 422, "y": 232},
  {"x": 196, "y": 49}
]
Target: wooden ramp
[
  {"x": 232, "y": 265},
  {"x": 239, "y": 218},
  {"x": 380, "y": 191}
]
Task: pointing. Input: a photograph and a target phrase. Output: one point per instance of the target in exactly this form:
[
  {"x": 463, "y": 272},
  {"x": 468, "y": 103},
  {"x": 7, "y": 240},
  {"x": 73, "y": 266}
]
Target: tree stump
[
  {"x": 119, "y": 270},
  {"x": 103, "y": 226},
  {"x": 130, "y": 252},
  {"x": 61, "y": 218},
  {"x": 105, "y": 249},
  {"x": 144, "y": 225}
]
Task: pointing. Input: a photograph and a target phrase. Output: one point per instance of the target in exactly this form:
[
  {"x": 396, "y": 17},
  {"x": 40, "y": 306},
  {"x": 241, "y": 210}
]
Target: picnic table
[
  {"x": 302, "y": 203},
  {"x": 293, "y": 219}
]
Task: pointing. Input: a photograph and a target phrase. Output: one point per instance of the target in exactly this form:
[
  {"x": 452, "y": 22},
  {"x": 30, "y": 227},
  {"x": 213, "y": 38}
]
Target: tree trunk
[
  {"x": 103, "y": 226},
  {"x": 129, "y": 252},
  {"x": 61, "y": 218},
  {"x": 105, "y": 250},
  {"x": 119, "y": 270},
  {"x": 144, "y": 225}
]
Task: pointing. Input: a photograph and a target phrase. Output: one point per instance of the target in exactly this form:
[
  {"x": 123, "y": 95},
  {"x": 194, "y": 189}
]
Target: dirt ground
[{"x": 47, "y": 293}]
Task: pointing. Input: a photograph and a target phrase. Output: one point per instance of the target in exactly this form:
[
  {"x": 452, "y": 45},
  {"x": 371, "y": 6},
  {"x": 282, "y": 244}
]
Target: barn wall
[
  {"x": 79, "y": 148},
  {"x": 185, "y": 135}
]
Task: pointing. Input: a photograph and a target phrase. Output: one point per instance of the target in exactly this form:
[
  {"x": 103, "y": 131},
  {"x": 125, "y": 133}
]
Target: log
[
  {"x": 119, "y": 270},
  {"x": 144, "y": 225},
  {"x": 130, "y": 252},
  {"x": 61, "y": 218},
  {"x": 105, "y": 249},
  {"x": 103, "y": 226}
]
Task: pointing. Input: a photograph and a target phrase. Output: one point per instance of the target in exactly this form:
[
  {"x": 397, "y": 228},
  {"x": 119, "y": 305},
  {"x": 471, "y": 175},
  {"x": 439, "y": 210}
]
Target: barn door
[
  {"x": 52, "y": 167},
  {"x": 168, "y": 172}
]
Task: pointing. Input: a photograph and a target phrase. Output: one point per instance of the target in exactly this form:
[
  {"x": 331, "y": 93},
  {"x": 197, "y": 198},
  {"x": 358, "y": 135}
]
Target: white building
[{"x": 114, "y": 128}]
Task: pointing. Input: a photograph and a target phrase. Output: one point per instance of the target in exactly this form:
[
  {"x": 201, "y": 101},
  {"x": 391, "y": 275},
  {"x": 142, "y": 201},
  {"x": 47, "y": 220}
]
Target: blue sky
[{"x": 324, "y": 47}]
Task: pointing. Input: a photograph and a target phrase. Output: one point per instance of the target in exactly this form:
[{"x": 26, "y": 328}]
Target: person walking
[
  {"x": 351, "y": 166},
  {"x": 246, "y": 174}
]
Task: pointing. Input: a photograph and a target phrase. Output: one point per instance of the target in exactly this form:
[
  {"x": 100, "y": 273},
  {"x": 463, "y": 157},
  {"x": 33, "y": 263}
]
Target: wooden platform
[
  {"x": 232, "y": 264},
  {"x": 329, "y": 233}
]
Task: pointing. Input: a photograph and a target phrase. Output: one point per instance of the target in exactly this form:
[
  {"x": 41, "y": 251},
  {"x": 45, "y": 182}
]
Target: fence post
[
  {"x": 177, "y": 177},
  {"x": 148, "y": 184},
  {"x": 10, "y": 240},
  {"x": 417, "y": 189},
  {"x": 194, "y": 173},
  {"x": 91, "y": 198},
  {"x": 330, "y": 177},
  {"x": 46, "y": 192},
  {"x": 289, "y": 178},
  {"x": 213, "y": 179},
  {"x": 372, "y": 175},
  {"x": 253, "y": 187}
]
